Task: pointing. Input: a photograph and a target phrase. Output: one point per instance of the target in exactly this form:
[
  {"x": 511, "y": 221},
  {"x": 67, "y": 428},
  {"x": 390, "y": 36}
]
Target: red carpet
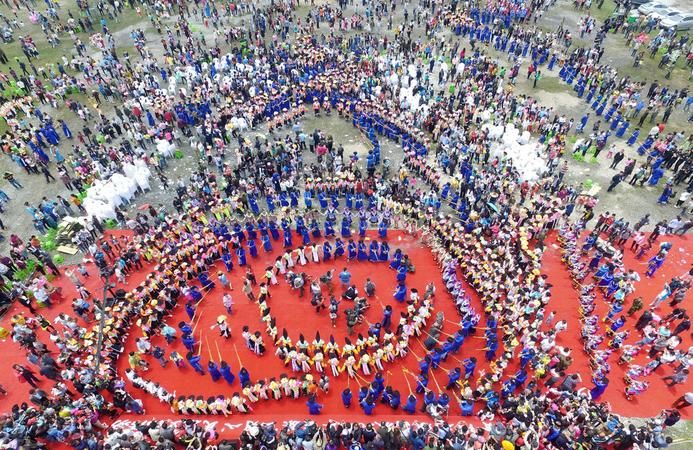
[
  {"x": 565, "y": 301},
  {"x": 298, "y": 316}
]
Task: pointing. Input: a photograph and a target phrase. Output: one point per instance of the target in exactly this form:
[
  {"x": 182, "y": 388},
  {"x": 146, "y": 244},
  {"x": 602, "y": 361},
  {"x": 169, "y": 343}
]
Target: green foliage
[
  {"x": 48, "y": 242},
  {"x": 22, "y": 275}
]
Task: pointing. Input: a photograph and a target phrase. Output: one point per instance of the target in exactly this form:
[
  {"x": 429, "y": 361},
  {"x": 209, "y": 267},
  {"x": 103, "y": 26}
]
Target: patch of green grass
[
  {"x": 552, "y": 85},
  {"x": 52, "y": 55},
  {"x": 603, "y": 13}
]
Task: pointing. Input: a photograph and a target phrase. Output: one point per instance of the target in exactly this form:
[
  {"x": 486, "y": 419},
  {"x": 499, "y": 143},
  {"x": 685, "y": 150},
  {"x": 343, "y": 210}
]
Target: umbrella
[{"x": 493, "y": 206}]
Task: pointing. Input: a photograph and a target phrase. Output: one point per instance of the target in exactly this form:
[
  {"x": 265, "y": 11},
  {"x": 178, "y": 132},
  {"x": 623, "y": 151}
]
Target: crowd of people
[{"x": 485, "y": 216}]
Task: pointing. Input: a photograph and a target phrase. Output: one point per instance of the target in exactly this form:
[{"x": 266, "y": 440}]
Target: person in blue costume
[
  {"x": 395, "y": 400},
  {"x": 326, "y": 251},
  {"x": 359, "y": 201},
  {"x": 410, "y": 406},
  {"x": 287, "y": 239},
  {"x": 226, "y": 372},
  {"x": 396, "y": 259},
  {"x": 240, "y": 253},
  {"x": 429, "y": 399},
  {"x": 338, "y": 248},
  {"x": 594, "y": 262},
  {"x": 363, "y": 393},
  {"x": 244, "y": 377},
  {"x": 188, "y": 341},
  {"x": 329, "y": 228},
  {"x": 322, "y": 198},
  {"x": 612, "y": 288},
  {"x": 466, "y": 407},
  {"x": 305, "y": 236},
  {"x": 507, "y": 388},
  {"x": 185, "y": 328},
  {"x": 384, "y": 252},
  {"x": 666, "y": 193},
  {"x": 491, "y": 348},
  {"x": 252, "y": 201},
  {"x": 654, "y": 264},
  {"x": 315, "y": 229},
  {"x": 520, "y": 377},
  {"x": 266, "y": 243},
  {"x": 590, "y": 95},
  {"x": 373, "y": 251},
  {"x": 270, "y": 203},
  {"x": 379, "y": 382},
  {"x": 227, "y": 260},
  {"x": 400, "y": 293},
  {"x": 238, "y": 231},
  {"x": 194, "y": 361},
  {"x": 66, "y": 129},
  {"x": 469, "y": 366},
  {"x": 600, "y": 385},
  {"x": 252, "y": 248},
  {"x": 346, "y": 227},
  {"x": 589, "y": 242},
  {"x": 436, "y": 357},
  {"x": 583, "y": 122},
  {"x": 492, "y": 400},
  {"x": 382, "y": 229},
  {"x": 262, "y": 227},
  {"x": 308, "y": 199},
  {"x": 206, "y": 283},
  {"x": 331, "y": 214},
  {"x": 600, "y": 108},
  {"x": 444, "y": 401},
  {"x": 350, "y": 200},
  {"x": 283, "y": 200},
  {"x": 606, "y": 280},
  {"x": 250, "y": 230},
  {"x": 347, "y": 396},
  {"x": 601, "y": 272},
  {"x": 458, "y": 341},
  {"x": 373, "y": 391},
  {"x": 453, "y": 377},
  {"x": 387, "y": 396},
  {"x": 362, "y": 251},
  {"x": 526, "y": 356},
  {"x": 401, "y": 274},
  {"x": 633, "y": 138},
  {"x": 624, "y": 127},
  {"x": 196, "y": 294},
  {"x": 293, "y": 197},
  {"x": 300, "y": 224},
  {"x": 351, "y": 250},
  {"x": 213, "y": 371},
  {"x": 368, "y": 405},
  {"x": 313, "y": 406},
  {"x": 274, "y": 230},
  {"x": 363, "y": 225}
]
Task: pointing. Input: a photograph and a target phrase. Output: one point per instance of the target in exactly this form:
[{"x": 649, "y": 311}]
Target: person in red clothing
[{"x": 137, "y": 112}]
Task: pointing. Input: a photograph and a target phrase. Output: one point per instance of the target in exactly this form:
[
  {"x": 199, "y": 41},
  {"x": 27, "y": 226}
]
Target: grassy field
[{"x": 49, "y": 55}]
